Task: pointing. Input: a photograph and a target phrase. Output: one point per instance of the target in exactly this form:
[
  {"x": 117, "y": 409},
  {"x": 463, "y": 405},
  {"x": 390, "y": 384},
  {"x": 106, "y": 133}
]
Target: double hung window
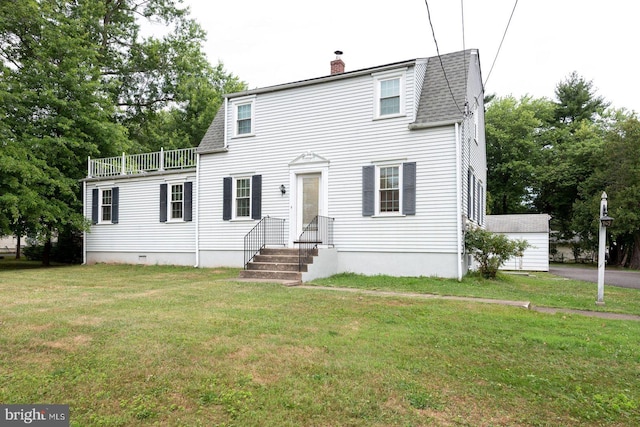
[
  {"x": 105, "y": 203},
  {"x": 389, "y": 94},
  {"x": 389, "y": 189},
  {"x": 243, "y": 116}
]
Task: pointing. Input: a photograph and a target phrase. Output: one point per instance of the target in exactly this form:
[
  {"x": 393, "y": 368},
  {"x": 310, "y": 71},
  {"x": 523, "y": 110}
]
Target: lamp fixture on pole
[{"x": 605, "y": 221}]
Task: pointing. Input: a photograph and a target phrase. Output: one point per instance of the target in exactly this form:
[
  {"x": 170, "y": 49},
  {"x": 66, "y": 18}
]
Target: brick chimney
[{"x": 337, "y": 65}]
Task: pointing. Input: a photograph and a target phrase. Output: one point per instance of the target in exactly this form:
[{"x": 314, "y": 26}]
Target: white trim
[
  {"x": 459, "y": 201},
  {"x": 378, "y": 78},
  {"x": 226, "y": 127},
  {"x": 295, "y": 169},
  {"x": 101, "y": 220},
  {"x": 234, "y": 198},
  {"x": 378, "y": 213},
  {"x": 195, "y": 209},
  {"x": 238, "y": 102},
  {"x": 84, "y": 213}
]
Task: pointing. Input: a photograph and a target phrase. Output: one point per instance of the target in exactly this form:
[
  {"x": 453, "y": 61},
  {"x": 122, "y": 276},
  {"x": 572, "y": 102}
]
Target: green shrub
[{"x": 492, "y": 250}]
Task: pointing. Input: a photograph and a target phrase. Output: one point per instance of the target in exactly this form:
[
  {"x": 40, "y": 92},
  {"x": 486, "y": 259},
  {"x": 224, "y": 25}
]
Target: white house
[
  {"x": 534, "y": 228},
  {"x": 375, "y": 171}
]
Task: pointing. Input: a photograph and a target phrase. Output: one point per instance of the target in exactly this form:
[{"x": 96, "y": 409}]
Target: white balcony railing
[{"x": 141, "y": 163}]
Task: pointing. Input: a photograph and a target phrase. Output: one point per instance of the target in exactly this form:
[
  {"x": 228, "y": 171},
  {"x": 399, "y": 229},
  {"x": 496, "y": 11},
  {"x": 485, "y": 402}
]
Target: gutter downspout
[
  {"x": 197, "y": 216},
  {"x": 84, "y": 214},
  {"x": 458, "y": 202},
  {"x": 226, "y": 109}
]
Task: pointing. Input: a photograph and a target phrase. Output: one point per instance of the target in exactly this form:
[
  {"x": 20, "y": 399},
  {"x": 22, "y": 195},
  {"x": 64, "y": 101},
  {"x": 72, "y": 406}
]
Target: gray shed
[{"x": 534, "y": 228}]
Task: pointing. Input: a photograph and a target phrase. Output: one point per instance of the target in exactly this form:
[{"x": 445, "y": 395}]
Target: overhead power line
[
  {"x": 499, "y": 47},
  {"x": 440, "y": 58}
]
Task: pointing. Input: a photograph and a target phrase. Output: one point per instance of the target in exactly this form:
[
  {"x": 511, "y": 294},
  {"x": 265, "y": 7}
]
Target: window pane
[
  {"x": 389, "y": 201},
  {"x": 390, "y": 189},
  {"x": 389, "y": 97},
  {"x": 106, "y": 213},
  {"x": 389, "y": 178},
  {"x": 389, "y": 88},
  {"x": 243, "y": 197},
  {"x": 390, "y": 106},
  {"x": 244, "y": 126},
  {"x": 176, "y": 210},
  {"x": 242, "y": 207},
  {"x": 244, "y": 119},
  {"x": 244, "y": 111},
  {"x": 106, "y": 205},
  {"x": 176, "y": 201}
]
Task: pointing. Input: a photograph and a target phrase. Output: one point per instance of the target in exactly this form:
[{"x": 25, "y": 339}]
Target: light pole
[{"x": 605, "y": 221}]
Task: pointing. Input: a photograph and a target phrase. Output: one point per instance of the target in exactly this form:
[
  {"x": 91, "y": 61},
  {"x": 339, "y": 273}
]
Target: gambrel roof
[{"x": 442, "y": 99}]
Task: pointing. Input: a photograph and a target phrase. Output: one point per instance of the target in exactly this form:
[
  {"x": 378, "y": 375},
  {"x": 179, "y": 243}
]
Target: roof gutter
[
  {"x": 318, "y": 80},
  {"x": 431, "y": 125}
]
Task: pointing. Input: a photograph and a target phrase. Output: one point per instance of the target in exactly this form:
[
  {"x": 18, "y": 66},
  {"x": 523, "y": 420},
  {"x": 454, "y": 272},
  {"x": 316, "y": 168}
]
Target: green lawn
[{"x": 133, "y": 345}]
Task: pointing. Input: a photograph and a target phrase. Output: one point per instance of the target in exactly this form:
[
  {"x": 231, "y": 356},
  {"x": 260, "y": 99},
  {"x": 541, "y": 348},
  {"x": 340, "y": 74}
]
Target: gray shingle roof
[
  {"x": 524, "y": 223},
  {"x": 436, "y": 101},
  {"x": 213, "y": 139}
]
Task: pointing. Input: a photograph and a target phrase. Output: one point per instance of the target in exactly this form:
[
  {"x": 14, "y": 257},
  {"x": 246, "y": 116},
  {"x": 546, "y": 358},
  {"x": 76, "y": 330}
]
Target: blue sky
[{"x": 279, "y": 41}]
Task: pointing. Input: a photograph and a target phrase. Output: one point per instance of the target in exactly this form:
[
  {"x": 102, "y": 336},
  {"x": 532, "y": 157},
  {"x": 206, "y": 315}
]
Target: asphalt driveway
[{"x": 612, "y": 277}]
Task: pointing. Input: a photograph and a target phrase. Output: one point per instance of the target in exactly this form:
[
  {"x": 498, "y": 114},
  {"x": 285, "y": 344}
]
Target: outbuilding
[{"x": 534, "y": 228}]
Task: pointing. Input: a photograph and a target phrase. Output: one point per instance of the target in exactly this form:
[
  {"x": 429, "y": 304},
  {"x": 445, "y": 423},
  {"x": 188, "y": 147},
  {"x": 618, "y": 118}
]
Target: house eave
[
  {"x": 324, "y": 79},
  {"x": 138, "y": 175},
  {"x": 212, "y": 150},
  {"x": 430, "y": 125}
]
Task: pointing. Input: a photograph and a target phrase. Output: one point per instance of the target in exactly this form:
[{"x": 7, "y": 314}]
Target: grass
[
  {"x": 134, "y": 345},
  {"x": 541, "y": 289}
]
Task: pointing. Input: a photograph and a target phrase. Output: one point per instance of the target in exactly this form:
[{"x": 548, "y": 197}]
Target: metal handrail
[
  {"x": 318, "y": 232},
  {"x": 269, "y": 231}
]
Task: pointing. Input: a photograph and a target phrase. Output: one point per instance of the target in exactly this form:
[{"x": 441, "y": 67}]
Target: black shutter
[
  {"x": 163, "y": 202},
  {"x": 115, "y": 204},
  {"x": 95, "y": 205},
  {"x": 409, "y": 188},
  {"x": 188, "y": 201},
  {"x": 368, "y": 190},
  {"x": 227, "y": 187},
  {"x": 256, "y": 197}
]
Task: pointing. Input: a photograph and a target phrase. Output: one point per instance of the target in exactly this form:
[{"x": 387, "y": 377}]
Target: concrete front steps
[{"x": 276, "y": 264}]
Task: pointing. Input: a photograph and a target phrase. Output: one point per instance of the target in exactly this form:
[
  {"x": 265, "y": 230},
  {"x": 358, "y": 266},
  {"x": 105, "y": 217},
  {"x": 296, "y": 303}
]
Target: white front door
[{"x": 308, "y": 199}]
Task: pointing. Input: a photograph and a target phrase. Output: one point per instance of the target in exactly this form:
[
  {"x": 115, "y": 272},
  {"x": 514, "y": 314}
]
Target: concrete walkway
[{"x": 523, "y": 304}]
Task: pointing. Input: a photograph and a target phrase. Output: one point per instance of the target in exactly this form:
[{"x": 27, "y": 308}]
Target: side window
[
  {"x": 389, "y": 97},
  {"x": 105, "y": 205},
  {"x": 389, "y": 189},
  {"x": 389, "y": 94},
  {"x": 242, "y": 197},
  {"x": 243, "y": 111},
  {"x": 176, "y": 201}
]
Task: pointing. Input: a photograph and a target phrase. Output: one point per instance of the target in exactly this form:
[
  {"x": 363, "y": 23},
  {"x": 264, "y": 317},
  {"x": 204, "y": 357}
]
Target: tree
[
  {"x": 79, "y": 80},
  {"x": 577, "y": 100},
  {"x": 515, "y": 139},
  {"x": 492, "y": 250}
]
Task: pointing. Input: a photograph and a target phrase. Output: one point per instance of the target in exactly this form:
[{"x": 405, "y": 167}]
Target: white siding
[
  {"x": 536, "y": 257},
  {"x": 139, "y": 230},
  {"x": 335, "y": 121}
]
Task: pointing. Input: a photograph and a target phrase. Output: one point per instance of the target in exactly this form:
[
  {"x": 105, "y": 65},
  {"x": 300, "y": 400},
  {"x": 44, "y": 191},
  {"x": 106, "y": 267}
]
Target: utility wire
[
  {"x": 499, "y": 47},
  {"x": 440, "y": 58}
]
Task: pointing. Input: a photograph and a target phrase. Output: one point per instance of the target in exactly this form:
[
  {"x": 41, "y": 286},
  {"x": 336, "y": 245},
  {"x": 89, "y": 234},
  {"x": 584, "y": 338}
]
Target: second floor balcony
[{"x": 131, "y": 164}]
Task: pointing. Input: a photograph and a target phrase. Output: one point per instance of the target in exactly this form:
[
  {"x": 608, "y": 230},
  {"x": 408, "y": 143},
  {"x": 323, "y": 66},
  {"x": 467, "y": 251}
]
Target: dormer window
[
  {"x": 389, "y": 94},
  {"x": 390, "y": 97},
  {"x": 243, "y": 116}
]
